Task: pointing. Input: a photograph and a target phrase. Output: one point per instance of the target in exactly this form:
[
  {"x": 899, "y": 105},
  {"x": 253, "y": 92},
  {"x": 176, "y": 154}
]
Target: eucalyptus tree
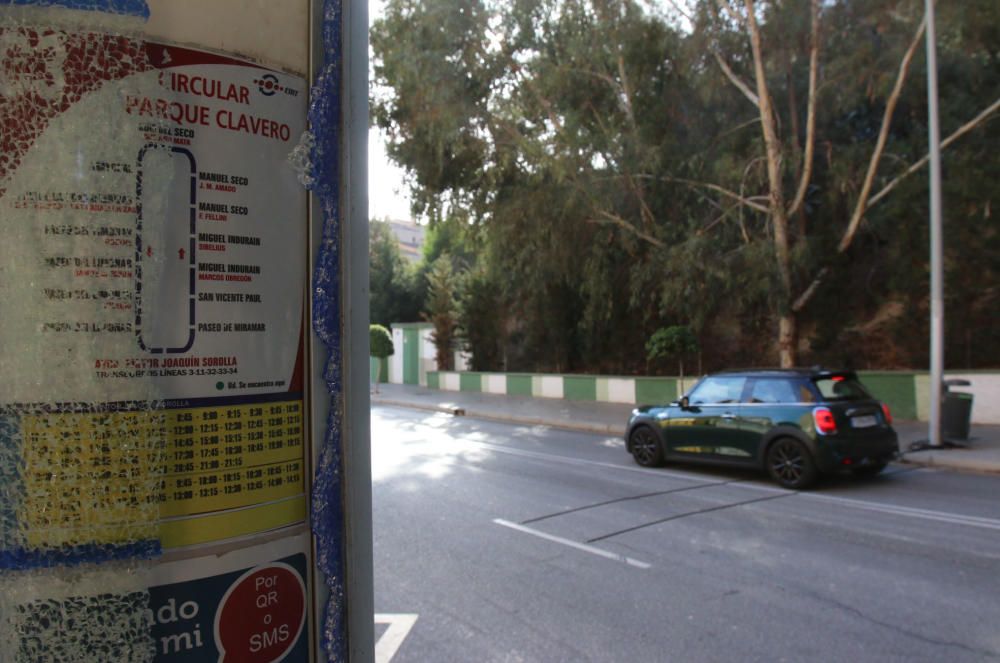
[
  {"x": 624, "y": 172},
  {"x": 833, "y": 46}
]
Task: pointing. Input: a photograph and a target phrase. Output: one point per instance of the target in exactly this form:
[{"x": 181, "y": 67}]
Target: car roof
[{"x": 814, "y": 372}]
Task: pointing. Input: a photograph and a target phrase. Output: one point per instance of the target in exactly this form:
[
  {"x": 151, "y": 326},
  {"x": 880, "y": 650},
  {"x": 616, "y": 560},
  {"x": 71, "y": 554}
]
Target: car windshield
[
  {"x": 718, "y": 390},
  {"x": 841, "y": 388}
]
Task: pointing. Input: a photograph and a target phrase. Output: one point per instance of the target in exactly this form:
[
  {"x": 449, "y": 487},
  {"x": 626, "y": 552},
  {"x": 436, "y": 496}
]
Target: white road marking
[
  {"x": 910, "y": 512},
  {"x": 593, "y": 550},
  {"x": 389, "y": 643}
]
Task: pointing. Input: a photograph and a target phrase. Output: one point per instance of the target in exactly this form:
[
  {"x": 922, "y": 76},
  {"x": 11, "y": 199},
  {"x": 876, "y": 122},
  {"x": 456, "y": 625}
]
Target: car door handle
[{"x": 729, "y": 415}]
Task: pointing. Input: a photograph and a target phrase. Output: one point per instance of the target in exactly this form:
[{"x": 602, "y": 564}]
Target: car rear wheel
[
  {"x": 870, "y": 470},
  {"x": 646, "y": 448},
  {"x": 790, "y": 464}
]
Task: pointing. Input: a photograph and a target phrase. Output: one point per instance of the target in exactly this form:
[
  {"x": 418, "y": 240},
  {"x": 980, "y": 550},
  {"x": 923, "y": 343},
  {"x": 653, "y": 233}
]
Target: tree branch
[
  {"x": 615, "y": 220},
  {"x": 964, "y": 129},
  {"x": 804, "y": 298},
  {"x": 719, "y": 219},
  {"x": 883, "y": 135},
  {"x": 749, "y": 202},
  {"x": 736, "y": 80},
  {"x": 807, "y": 159},
  {"x": 961, "y": 131}
]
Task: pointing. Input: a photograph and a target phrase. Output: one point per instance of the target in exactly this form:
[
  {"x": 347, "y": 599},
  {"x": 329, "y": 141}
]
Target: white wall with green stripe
[{"x": 907, "y": 393}]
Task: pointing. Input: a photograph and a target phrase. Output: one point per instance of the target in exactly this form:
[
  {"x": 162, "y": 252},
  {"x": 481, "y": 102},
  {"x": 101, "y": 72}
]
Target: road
[{"x": 517, "y": 543}]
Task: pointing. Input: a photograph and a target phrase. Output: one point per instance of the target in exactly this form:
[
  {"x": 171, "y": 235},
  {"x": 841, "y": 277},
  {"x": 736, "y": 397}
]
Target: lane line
[
  {"x": 593, "y": 550},
  {"x": 910, "y": 512},
  {"x": 392, "y": 639}
]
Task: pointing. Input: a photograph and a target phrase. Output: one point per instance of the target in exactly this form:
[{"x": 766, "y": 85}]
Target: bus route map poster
[{"x": 152, "y": 284}]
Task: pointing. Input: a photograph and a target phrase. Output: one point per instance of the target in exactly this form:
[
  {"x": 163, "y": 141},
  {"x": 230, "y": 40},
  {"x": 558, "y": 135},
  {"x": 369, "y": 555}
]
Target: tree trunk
[{"x": 788, "y": 339}]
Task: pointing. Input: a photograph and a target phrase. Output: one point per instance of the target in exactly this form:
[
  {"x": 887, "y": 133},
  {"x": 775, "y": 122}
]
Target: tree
[
  {"x": 613, "y": 176},
  {"x": 441, "y": 311},
  {"x": 674, "y": 342},
  {"x": 380, "y": 347},
  {"x": 394, "y": 295},
  {"x": 782, "y": 163},
  {"x": 481, "y": 320}
]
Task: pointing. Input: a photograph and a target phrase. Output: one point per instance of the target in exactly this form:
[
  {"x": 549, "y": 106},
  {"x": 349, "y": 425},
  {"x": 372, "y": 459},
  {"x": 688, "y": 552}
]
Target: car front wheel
[
  {"x": 790, "y": 464},
  {"x": 646, "y": 448}
]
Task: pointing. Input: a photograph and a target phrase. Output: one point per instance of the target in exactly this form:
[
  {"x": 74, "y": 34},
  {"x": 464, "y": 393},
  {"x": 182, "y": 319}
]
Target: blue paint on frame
[
  {"x": 20, "y": 559},
  {"x": 327, "y": 503},
  {"x": 126, "y": 7}
]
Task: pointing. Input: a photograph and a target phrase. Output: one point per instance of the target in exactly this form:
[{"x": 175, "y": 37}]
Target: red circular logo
[{"x": 261, "y": 616}]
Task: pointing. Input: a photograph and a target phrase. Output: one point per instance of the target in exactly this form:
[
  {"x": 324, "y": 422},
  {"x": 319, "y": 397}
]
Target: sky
[{"x": 387, "y": 194}]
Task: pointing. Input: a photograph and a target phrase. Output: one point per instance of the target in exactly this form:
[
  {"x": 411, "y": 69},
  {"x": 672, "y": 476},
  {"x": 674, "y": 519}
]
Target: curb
[
  {"x": 955, "y": 464},
  {"x": 455, "y": 411},
  {"x": 581, "y": 427}
]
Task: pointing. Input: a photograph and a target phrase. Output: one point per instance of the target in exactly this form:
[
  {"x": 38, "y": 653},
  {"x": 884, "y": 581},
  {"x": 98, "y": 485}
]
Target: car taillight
[
  {"x": 887, "y": 413},
  {"x": 825, "y": 422}
]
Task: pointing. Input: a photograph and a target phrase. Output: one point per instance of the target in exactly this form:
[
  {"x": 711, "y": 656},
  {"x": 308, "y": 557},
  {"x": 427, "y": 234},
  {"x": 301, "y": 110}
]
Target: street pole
[{"x": 937, "y": 267}]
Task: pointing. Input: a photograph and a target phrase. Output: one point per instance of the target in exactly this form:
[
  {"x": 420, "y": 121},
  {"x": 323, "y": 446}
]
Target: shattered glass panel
[
  {"x": 81, "y": 458},
  {"x": 87, "y": 614},
  {"x": 149, "y": 216}
]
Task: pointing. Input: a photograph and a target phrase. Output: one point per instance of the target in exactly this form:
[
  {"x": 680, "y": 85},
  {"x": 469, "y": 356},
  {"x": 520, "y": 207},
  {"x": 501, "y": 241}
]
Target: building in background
[{"x": 410, "y": 238}]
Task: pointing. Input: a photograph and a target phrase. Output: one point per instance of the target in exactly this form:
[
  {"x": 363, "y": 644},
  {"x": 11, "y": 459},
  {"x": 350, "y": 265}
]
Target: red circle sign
[{"x": 261, "y": 615}]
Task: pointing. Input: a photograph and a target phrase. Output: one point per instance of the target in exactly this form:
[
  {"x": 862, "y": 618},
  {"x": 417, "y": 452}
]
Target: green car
[{"x": 794, "y": 423}]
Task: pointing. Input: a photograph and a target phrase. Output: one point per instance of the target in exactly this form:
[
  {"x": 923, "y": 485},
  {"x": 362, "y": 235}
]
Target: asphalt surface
[
  {"x": 979, "y": 453},
  {"x": 531, "y": 543}
]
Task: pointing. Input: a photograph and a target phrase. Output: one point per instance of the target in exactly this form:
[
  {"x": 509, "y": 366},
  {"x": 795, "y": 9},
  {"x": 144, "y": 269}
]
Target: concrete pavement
[{"x": 981, "y": 452}]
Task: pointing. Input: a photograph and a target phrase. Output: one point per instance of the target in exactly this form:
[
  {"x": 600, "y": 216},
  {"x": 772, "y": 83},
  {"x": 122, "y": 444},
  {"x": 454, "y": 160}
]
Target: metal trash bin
[{"x": 956, "y": 411}]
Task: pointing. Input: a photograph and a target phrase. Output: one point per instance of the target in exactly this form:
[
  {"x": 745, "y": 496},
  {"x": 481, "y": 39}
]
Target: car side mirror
[{"x": 684, "y": 402}]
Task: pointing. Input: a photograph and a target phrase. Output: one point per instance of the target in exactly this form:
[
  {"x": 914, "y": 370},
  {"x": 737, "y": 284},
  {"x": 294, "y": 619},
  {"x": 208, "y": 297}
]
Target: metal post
[
  {"x": 354, "y": 272},
  {"x": 937, "y": 266}
]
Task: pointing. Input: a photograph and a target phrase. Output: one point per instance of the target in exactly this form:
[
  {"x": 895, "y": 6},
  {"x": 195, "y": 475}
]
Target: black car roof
[{"x": 814, "y": 372}]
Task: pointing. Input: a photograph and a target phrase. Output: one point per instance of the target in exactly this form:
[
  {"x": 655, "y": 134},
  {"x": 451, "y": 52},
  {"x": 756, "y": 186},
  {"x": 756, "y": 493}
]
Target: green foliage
[
  {"x": 562, "y": 151},
  {"x": 671, "y": 342},
  {"x": 674, "y": 342},
  {"x": 395, "y": 295},
  {"x": 442, "y": 311},
  {"x": 380, "y": 342},
  {"x": 481, "y": 317}
]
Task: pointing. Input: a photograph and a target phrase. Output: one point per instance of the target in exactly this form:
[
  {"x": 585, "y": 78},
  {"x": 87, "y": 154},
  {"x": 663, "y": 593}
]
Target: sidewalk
[{"x": 982, "y": 453}]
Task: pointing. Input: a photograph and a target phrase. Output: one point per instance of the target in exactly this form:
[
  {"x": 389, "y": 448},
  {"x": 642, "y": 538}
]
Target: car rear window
[
  {"x": 780, "y": 390},
  {"x": 840, "y": 388}
]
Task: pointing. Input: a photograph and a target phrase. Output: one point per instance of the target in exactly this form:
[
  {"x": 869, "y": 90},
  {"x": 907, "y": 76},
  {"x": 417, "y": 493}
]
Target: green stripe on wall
[
  {"x": 897, "y": 390},
  {"x": 653, "y": 391},
  {"x": 470, "y": 382},
  {"x": 433, "y": 380},
  {"x": 577, "y": 388},
  {"x": 519, "y": 385}
]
